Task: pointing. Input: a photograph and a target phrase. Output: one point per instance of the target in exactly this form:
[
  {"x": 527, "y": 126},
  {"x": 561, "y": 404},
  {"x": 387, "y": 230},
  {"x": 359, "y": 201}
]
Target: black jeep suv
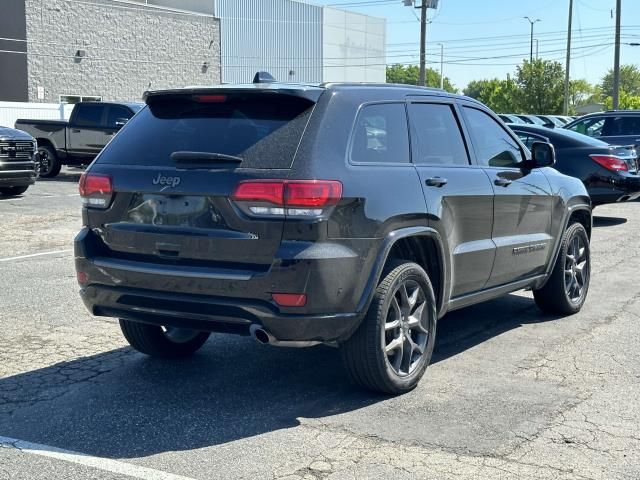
[{"x": 345, "y": 214}]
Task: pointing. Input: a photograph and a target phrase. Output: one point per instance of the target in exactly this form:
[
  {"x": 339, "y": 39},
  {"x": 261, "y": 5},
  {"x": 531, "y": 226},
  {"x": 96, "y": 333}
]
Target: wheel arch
[
  {"x": 576, "y": 212},
  {"x": 421, "y": 245}
]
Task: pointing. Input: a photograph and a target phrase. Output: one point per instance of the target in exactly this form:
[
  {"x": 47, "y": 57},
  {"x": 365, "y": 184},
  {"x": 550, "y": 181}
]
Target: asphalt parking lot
[{"x": 511, "y": 393}]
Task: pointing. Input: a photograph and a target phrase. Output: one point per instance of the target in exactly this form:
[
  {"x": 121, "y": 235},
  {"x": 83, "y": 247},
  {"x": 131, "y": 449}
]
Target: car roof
[
  {"x": 612, "y": 113},
  {"x": 311, "y": 91}
]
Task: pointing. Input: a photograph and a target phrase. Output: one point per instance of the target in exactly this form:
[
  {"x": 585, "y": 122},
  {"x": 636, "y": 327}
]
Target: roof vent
[{"x": 263, "y": 77}]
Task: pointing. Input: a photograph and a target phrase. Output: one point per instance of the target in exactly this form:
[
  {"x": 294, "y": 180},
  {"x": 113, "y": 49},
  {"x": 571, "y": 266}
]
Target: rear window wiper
[{"x": 198, "y": 157}]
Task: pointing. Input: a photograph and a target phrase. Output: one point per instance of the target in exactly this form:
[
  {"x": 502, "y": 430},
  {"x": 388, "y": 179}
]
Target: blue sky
[{"x": 465, "y": 28}]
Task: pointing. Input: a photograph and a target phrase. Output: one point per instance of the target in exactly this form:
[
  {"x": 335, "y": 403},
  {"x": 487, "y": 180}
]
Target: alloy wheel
[
  {"x": 406, "y": 329},
  {"x": 576, "y": 269}
]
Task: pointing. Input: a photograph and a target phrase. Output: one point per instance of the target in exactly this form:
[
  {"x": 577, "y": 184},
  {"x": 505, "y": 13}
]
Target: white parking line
[
  {"x": 34, "y": 255},
  {"x": 104, "y": 464}
]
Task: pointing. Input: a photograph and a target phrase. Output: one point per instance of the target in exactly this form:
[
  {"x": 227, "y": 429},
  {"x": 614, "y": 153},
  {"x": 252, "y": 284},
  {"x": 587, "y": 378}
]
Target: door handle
[
  {"x": 75, "y": 130},
  {"x": 503, "y": 182},
  {"x": 435, "y": 182}
]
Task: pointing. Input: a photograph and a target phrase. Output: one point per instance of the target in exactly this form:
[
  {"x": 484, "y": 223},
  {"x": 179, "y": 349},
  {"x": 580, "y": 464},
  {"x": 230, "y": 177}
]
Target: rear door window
[
  {"x": 262, "y": 129},
  {"x": 381, "y": 134},
  {"x": 89, "y": 116},
  {"x": 436, "y": 137},
  {"x": 116, "y": 113}
]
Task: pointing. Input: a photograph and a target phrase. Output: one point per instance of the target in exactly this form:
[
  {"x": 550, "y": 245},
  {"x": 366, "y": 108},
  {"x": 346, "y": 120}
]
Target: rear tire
[
  {"x": 13, "y": 191},
  {"x": 162, "y": 342},
  {"x": 566, "y": 290},
  {"x": 50, "y": 165},
  {"x": 392, "y": 348}
]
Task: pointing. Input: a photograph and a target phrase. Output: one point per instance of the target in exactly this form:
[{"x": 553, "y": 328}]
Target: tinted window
[
  {"x": 381, "y": 134},
  {"x": 264, "y": 130},
  {"x": 437, "y": 139},
  {"x": 493, "y": 145},
  {"x": 623, "y": 125},
  {"x": 89, "y": 115},
  {"x": 590, "y": 126},
  {"x": 116, "y": 113}
]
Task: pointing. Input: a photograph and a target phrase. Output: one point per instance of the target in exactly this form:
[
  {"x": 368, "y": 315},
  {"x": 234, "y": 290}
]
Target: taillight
[
  {"x": 290, "y": 198},
  {"x": 611, "y": 162},
  {"x": 96, "y": 190}
]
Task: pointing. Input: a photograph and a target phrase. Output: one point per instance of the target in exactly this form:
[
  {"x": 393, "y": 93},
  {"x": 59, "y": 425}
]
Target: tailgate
[{"x": 176, "y": 209}]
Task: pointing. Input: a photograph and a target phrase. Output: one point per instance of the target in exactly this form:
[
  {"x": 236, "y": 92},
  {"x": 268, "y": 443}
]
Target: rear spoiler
[{"x": 310, "y": 93}]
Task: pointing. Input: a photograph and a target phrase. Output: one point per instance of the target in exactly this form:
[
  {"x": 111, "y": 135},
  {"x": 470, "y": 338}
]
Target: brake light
[
  {"x": 295, "y": 198},
  {"x": 210, "y": 98},
  {"x": 611, "y": 162},
  {"x": 96, "y": 190}
]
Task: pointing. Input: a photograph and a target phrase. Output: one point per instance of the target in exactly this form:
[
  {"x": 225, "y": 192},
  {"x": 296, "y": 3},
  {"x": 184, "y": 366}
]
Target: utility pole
[
  {"x": 423, "y": 44},
  {"x": 532, "y": 22},
  {"x": 537, "y": 48},
  {"x": 567, "y": 71},
  {"x": 616, "y": 63}
]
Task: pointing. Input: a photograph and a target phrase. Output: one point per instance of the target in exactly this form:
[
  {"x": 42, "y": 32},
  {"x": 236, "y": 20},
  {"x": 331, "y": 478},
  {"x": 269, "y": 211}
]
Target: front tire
[
  {"x": 392, "y": 348},
  {"x": 162, "y": 342},
  {"x": 50, "y": 165},
  {"x": 566, "y": 290}
]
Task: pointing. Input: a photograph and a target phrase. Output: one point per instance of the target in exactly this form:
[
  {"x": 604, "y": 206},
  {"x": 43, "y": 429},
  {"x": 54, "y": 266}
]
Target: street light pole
[
  {"x": 532, "y": 22},
  {"x": 441, "y": 65},
  {"x": 616, "y": 63}
]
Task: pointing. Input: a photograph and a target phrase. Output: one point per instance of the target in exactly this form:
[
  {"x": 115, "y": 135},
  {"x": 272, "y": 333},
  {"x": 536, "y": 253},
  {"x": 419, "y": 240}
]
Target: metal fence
[{"x": 11, "y": 111}]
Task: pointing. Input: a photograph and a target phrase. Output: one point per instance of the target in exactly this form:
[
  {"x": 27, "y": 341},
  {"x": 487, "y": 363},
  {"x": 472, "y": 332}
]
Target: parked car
[
  {"x": 77, "y": 142},
  {"x": 550, "y": 120},
  {"x": 508, "y": 118},
  {"x": 621, "y": 127},
  {"x": 533, "y": 120},
  {"x": 312, "y": 216},
  {"x": 18, "y": 161},
  {"x": 610, "y": 173}
]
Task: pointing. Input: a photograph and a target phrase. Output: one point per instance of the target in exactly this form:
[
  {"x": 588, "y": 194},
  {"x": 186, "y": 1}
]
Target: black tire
[
  {"x": 158, "y": 342},
  {"x": 557, "y": 296},
  {"x": 50, "y": 165},
  {"x": 364, "y": 354},
  {"x": 12, "y": 191}
]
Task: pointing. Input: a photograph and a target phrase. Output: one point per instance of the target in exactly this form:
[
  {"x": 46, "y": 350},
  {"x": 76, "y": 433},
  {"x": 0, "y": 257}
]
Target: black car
[
  {"x": 18, "y": 161},
  {"x": 77, "y": 142},
  {"x": 345, "y": 214},
  {"x": 616, "y": 127},
  {"x": 610, "y": 173}
]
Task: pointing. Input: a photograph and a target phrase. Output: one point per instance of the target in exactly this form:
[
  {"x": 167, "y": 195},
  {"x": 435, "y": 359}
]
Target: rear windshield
[{"x": 262, "y": 129}]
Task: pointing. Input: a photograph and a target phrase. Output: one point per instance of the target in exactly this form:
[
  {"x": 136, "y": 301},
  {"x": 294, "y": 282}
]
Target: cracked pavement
[{"x": 511, "y": 393}]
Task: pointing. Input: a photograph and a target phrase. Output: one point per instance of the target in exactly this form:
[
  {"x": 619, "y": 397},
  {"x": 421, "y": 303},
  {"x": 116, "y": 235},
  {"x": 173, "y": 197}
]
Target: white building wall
[{"x": 353, "y": 47}]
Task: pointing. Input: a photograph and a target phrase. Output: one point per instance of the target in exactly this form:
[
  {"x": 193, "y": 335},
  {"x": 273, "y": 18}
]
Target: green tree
[
  {"x": 582, "y": 92},
  {"x": 410, "y": 74},
  {"x": 627, "y": 101},
  {"x": 540, "y": 87},
  {"x": 629, "y": 81},
  {"x": 498, "y": 95}
]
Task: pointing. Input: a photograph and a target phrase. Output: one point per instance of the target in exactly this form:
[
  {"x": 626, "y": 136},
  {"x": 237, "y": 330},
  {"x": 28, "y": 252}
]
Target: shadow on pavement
[
  {"x": 608, "y": 221},
  {"x": 67, "y": 175},
  {"x": 121, "y": 404}
]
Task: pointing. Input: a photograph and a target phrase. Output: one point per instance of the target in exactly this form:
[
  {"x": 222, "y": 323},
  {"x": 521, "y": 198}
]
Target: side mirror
[
  {"x": 121, "y": 122},
  {"x": 542, "y": 155}
]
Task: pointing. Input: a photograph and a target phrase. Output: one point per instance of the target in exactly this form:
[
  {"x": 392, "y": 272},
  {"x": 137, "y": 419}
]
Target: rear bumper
[
  {"x": 229, "y": 300},
  {"x": 215, "y": 314},
  {"x": 620, "y": 190}
]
